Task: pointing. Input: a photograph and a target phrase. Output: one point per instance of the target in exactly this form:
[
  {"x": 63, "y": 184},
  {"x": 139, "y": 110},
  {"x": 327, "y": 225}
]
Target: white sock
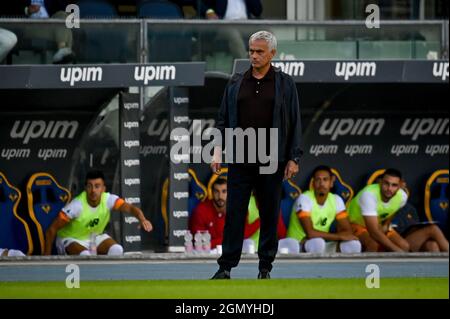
[
  {"x": 15, "y": 253},
  {"x": 115, "y": 250},
  {"x": 315, "y": 245},
  {"x": 291, "y": 244},
  {"x": 248, "y": 246},
  {"x": 350, "y": 246},
  {"x": 85, "y": 253},
  {"x": 1, "y": 251}
]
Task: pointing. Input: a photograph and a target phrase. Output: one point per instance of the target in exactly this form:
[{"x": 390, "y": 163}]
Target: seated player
[
  {"x": 87, "y": 216},
  {"x": 312, "y": 216}
]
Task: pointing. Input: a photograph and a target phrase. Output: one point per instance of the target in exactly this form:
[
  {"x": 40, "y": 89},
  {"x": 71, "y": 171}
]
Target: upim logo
[
  {"x": 179, "y": 233},
  {"x": 131, "y": 143},
  {"x": 81, "y": 74},
  {"x": 180, "y": 213},
  {"x": 133, "y": 200},
  {"x": 131, "y": 106},
  {"x": 341, "y": 127},
  {"x": 131, "y": 220},
  {"x": 155, "y": 73},
  {"x": 421, "y": 127},
  {"x": 440, "y": 70},
  {"x": 130, "y": 125},
  {"x": 42, "y": 129},
  {"x": 352, "y": 69},
  {"x": 181, "y": 100},
  {"x": 132, "y": 181},
  {"x": 295, "y": 69},
  {"x": 132, "y": 239},
  {"x": 180, "y": 195},
  {"x": 181, "y": 176},
  {"x": 132, "y": 162}
]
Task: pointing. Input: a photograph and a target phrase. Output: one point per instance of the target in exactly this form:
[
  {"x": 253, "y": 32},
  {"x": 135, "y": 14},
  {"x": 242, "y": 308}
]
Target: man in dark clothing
[{"x": 262, "y": 98}]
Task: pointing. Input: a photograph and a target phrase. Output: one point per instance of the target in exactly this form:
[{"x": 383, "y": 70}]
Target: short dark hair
[
  {"x": 220, "y": 181},
  {"x": 392, "y": 172},
  {"x": 94, "y": 174},
  {"x": 322, "y": 168}
]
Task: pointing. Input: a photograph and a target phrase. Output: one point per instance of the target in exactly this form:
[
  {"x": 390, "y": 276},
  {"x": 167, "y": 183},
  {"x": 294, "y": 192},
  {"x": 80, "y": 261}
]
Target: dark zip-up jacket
[{"x": 286, "y": 115}]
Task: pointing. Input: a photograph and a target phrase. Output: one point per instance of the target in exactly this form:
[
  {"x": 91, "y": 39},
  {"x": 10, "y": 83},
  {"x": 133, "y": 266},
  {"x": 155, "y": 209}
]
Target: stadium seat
[
  {"x": 223, "y": 173},
  {"x": 340, "y": 188},
  {"x": 164, "y": 44},
  {"x": 45, "y": 198},
  {"x": 436, "y": 199},
  {"x": 197, "y": 191},
  {"x": 14, "y": 231},
  {"x": 375, "y": 177},
  {"x": 99, "y": 9},
  {"x": 290, "y": 193},
  {"x": 159, "y": 10}
]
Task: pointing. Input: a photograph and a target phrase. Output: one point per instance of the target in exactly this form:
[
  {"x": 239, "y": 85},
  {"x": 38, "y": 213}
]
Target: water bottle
[
  {"x": 188, "y": 246},
  {"x": 92, "y": 245},
  {"x": 198, "y": 242},
  {"x": 206, "y": 242}
]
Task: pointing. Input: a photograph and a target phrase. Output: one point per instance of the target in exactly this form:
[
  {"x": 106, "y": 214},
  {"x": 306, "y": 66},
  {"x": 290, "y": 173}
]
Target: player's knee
[
  {"x": 290, "y": 245},
  {"x": 350, "y": 247},
  {"x": 85, "y": 253},
  {"x": 404, "y": 245},
  {"x": 115, "y": 250},
  {"x": 248, "y": 246},
  {"x": 431, "y": 246},
  {"x": 371, "y": 246},
  {"x": 315, "y": 245},
  {"x": 15, "y": 253}
]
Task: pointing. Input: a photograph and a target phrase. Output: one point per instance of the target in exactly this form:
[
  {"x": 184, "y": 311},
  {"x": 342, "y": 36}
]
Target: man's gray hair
[{"x": 266, "y": 36}]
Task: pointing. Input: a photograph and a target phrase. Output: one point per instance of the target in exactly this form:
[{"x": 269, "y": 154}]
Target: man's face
[
  {"x": 322, "y": 183},
  {"x": 94, "y": 189},
  {"x": 260, "y": 54},
  {"x": 220, "y": 195},
  {"x": 389, "y": 186}
]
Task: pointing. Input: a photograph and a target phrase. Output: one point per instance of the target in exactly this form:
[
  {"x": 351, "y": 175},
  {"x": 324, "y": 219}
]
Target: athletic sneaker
[{"x": 63, "y": 56}]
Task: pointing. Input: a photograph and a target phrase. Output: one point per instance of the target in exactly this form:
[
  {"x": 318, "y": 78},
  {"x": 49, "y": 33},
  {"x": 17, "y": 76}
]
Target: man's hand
[
  {"x": 291, "y": 170},
  {"x": 216, "y": 163},
  {"x": 145, "y": 223},
  {"x": 347, "y": 236}
]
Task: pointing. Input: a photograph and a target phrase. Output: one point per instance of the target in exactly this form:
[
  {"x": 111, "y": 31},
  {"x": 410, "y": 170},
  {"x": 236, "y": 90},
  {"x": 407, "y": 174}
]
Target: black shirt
[{"x": 256, "y": 101}]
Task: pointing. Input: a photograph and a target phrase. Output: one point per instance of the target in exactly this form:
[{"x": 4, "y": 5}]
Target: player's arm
[
  {"x": 307, "y": 224},
  {"x": 376, "y": 232},
  {"x": 344, "y": 229},
  {"x": 124, "y": 207},
  {"x": 60, "y": 221}
]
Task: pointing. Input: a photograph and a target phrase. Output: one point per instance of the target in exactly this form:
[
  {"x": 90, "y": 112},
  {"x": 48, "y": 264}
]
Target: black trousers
[{"x": 242, "y": 179}]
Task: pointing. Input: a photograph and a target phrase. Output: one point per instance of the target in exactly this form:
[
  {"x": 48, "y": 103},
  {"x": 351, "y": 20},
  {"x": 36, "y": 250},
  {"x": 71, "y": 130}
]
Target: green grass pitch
[{"x": 390, "y": 288}]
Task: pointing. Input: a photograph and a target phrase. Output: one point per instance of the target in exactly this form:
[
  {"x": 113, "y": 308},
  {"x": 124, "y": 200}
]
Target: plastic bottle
[
  {"x": 206, "y": 242},
  {"x": 198, "y": 242},
  {"x": 92, "y": 245},
  {"x": 188, "y": 246}
]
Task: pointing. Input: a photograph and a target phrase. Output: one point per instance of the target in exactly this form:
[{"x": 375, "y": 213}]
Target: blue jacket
[{"x": 286, "y": 116}]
